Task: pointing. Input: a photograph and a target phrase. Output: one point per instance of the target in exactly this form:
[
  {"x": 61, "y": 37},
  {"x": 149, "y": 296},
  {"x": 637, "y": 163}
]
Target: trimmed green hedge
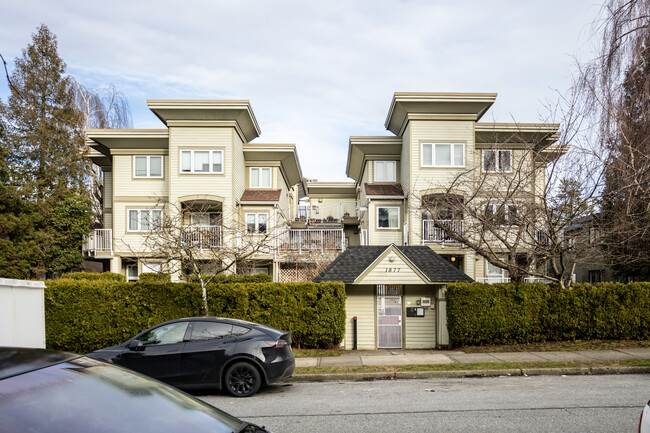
[
  {"x": 525, "y": 313},
  {"x": 95, "y": 276},
  {"x": 82, "y": 315}
]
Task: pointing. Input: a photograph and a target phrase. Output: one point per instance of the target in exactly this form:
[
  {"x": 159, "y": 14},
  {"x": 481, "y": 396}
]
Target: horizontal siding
[
  {"x": 127, "y": 185},
  {"x": 419, "y": 332},
  {"x": 383, "y": 236},
  {"x": 395, "y": 272},
  {"x": 360, "y": 302}
]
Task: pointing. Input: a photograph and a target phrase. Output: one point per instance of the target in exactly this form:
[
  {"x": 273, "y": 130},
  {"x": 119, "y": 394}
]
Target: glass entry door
[{"x": 389, "y": 317}]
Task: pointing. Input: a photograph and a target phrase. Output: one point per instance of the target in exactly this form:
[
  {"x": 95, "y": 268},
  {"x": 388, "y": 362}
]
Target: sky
[{"x": 315, "y": 72}]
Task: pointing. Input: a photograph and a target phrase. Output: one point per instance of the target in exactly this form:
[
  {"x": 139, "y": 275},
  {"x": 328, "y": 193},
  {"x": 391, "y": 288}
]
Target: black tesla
[{"x": 200, "y": 352}]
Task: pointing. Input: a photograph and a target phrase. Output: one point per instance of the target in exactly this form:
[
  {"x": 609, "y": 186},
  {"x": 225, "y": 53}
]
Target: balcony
[
  {"x": 202, "y": 237},
  {"x": 99, "y": 241},
  {"x": 332, "y": 214},
  {"x": 312, "y": 240},
  {"x": 493, "y": 279},
  {"x": 433, "y": 233}
]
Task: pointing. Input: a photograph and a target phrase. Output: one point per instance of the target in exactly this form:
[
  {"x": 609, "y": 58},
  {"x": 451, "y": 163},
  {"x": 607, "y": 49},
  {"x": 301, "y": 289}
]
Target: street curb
[{"x": 370, "y": 376}]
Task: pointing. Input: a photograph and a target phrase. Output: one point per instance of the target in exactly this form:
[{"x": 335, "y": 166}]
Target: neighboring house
[
  {"x": 584, "y": 237},
  {"x": 230, "y": 190}
]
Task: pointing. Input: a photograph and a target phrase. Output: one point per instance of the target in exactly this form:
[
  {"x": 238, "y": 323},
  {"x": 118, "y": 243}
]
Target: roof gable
[{"x": 390, "y": 267}]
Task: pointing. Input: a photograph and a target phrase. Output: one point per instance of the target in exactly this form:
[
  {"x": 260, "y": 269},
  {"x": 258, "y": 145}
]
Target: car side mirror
[{"x": 135, "y": 345}]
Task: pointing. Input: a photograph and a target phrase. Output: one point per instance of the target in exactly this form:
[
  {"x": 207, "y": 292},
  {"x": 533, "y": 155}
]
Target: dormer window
[
  {"x": 260, "y": 177},
  {"x": 385, "y": 171}
]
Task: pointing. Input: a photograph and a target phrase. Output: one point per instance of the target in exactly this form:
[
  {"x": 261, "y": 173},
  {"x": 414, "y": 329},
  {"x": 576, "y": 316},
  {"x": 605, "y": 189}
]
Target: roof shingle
[
  {"x": 261, "y": 195},
  {"x": 387, "y": 189}
]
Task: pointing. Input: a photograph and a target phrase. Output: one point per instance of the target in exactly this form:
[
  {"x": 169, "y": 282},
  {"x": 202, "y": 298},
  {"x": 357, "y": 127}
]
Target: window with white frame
[
  {"x": 147, "y": 166},
  {"x": 260, "y": 177},
  {"x": 202, "y": 161},
  {"x": 256, "y": 222},
  {"x": 505, "y": 215},
  {"x": 144, "y": 220},
  {"x": 132, "y": 272},
  {"x": 497, "y": 161},
  {"x": 494, "y": 274},
  {"x": 151, "y": 267},
  {"x": 443, "y": 154},
  {"x": 385, "y": 171},
  {"x": 388, "y": 217}
]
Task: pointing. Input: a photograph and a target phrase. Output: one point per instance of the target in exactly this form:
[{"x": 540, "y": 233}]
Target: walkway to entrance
[{"x": 408, "y": 357}]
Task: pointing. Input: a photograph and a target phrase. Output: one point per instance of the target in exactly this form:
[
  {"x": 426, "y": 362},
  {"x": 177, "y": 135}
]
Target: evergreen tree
[{"x": 44, "y": 205}]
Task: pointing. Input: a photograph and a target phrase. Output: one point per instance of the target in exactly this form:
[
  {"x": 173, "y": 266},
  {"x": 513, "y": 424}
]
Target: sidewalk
[{"x": 397, "y": 357}]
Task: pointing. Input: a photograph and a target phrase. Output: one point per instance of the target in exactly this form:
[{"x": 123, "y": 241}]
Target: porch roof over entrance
[{"x": 355, "y": 261}]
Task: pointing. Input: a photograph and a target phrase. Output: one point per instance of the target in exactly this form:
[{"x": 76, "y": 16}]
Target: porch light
[{"x": 453, "y": 259}]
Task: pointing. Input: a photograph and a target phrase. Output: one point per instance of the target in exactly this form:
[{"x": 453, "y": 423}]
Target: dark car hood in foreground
[{"x": 19, "y": 360}]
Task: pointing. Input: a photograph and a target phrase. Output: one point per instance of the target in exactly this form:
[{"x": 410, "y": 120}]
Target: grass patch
[
  {"x": 313, "y": 353},
  {"x": 475, "y": 366},
  {"x": 556, "y": 346}
]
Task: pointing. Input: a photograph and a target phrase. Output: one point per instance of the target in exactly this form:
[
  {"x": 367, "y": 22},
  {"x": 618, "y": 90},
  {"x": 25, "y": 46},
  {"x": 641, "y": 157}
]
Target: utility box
[{"x": 22, "y": 313}]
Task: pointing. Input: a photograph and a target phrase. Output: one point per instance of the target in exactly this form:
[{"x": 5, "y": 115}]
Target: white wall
[{"x": 22, "y": 313}]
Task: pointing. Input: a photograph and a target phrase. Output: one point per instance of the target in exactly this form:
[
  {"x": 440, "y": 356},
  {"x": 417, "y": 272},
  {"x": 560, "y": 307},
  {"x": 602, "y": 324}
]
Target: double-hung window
[
  {"x": 256, "y": 222},
  {"x": 260, "y": 177},
  {"x": 506, "y": 215},
  {"x": 385, "y": 171},
  {"x": 443, "y": 155},
  {"x": 147, "y": 166},
  {"x": 202, "y": 161},
  {"x": 497, "y": 161},
  {"x": 388, "y": 217},
  {"x": 144, "y": 220}
]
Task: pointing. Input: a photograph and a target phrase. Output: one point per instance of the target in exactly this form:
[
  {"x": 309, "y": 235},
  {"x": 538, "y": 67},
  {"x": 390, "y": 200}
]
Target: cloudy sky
[{"x": 315, "y": 72}]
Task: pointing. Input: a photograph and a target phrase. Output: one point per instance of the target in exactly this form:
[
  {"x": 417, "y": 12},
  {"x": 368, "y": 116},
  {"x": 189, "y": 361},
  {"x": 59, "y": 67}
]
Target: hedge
[
  {"x": 526, "y": 313},
  {"x": 82, "y": 315}
]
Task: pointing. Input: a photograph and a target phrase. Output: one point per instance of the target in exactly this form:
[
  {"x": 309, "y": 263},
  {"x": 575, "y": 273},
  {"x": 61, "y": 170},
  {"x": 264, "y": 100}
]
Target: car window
[
  {"x": 166, "y": 334},
  {"x": 210, "y": 330},
  {"x": 238, "y": 331}
]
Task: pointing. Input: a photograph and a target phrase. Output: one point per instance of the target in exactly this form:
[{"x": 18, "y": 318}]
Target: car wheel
[{"x": 243, "y": 379}]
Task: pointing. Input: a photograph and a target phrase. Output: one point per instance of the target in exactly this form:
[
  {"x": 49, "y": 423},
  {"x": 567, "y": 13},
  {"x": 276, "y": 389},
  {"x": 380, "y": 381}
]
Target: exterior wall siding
[
  {"x": 420, "y": 332},
  {"x": 360, "y": 302}
]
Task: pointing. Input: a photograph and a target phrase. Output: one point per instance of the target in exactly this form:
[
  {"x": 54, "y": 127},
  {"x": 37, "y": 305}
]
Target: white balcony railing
[
  {"x": 100, "y": 240},
  {"x": 327, "y": 214},
  {"x": 306, "y": 240},
  {"x": 537, "y": 280},
  {"x": 432, "y": 232},
  {"x": 203, "y": 237},
  {"x": 493, "y": 279}
]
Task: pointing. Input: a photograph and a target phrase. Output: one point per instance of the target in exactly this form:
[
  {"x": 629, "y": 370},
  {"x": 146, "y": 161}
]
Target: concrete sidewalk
[{"x": 388, "y": 357}]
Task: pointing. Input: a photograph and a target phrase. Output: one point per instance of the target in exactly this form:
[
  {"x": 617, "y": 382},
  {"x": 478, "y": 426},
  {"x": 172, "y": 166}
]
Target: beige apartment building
[{"x": 226, "y": 193}]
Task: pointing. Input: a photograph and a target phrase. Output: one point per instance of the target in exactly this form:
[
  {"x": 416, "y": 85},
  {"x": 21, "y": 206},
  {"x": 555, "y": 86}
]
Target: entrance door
[{"x": 389, "y": 318}]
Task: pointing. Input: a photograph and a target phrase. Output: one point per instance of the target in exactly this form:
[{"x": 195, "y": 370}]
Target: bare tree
[
  {"x": 192, "y": 239},
  {"x": 104, "y": 108},
  {"x": 517, "y": 203}
]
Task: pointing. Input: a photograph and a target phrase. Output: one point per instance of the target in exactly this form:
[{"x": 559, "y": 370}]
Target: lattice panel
[{"x": 290, "y": 273}]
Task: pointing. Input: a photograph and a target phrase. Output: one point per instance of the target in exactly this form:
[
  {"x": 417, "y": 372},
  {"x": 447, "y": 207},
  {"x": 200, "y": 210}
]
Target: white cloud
[{"x": 315, "y": 72}]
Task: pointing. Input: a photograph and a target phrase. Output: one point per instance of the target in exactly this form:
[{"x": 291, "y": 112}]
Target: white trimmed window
[
  {"x": 497, "y": 161},
  {"x": 132, "y": 272},
  {"x": 506, "y": 215},
  {"x": 257, "y": 222},
  {"x": 388, "y": 217},
  {"x": 144, "y": 220},
  {"x": 260, "y": 177},
  {"x": 151, "y": 267},
  {"x": 443, "y": 155},
  {"x": 385, "y": 171},
  {"x": 147, "y": 166},
  {"x": 494, "y": 274},
  {"x": 202, "y": 161}
]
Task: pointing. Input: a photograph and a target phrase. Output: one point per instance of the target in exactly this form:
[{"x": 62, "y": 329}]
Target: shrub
[
  {"x": 523, "y": 313},
  {"x": 112, "y": 276},
  {"x": 82, "y": 315}
]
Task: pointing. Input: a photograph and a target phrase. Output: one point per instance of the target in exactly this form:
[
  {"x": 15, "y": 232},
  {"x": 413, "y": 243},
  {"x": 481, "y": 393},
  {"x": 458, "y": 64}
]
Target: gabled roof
[{"x": 352, "y": 263}]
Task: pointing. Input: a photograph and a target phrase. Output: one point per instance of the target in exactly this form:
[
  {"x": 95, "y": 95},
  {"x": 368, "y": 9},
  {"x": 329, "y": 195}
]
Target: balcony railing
[
  {"x": 202, "y": 237},
  {"x": 493, "y": 280},
  {"x": 329, "y": 214},
  {"x": 309, "y": 240},
  {"x": 432, "y": 232},
  {"x": 100, "y": 240}
]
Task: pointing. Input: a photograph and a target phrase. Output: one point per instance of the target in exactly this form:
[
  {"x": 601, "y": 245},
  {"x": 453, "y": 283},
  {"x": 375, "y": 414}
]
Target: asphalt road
[{"x": 610, "y": 403}]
